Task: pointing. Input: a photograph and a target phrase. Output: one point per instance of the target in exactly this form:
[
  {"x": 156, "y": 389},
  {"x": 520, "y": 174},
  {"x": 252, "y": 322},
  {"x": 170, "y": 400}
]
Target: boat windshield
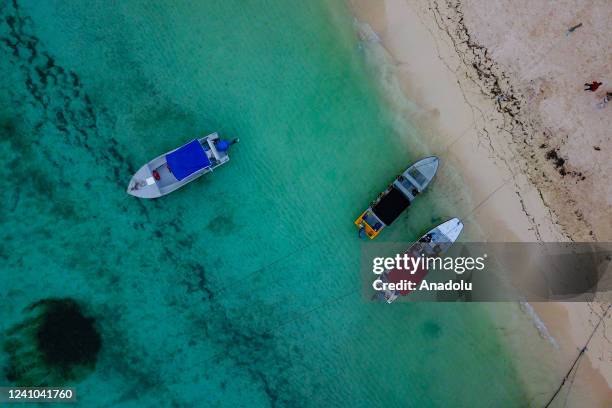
[{"x": 417, "y": 176}]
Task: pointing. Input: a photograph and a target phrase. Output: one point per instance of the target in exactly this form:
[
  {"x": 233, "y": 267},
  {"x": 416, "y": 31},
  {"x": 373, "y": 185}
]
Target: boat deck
[{"x": 165, "y": 176}]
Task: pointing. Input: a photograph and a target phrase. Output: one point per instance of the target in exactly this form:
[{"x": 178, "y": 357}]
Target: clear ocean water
[{"x": 241, "y": 289}]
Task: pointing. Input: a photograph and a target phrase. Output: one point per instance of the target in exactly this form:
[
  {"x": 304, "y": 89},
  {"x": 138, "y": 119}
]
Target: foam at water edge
[{"x": 539, "y": 324}]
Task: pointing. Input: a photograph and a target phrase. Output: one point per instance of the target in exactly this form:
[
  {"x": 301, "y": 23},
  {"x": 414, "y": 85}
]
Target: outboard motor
[
  {"x": 362, "y": 231},
  {"x": 223, "y": 145}
]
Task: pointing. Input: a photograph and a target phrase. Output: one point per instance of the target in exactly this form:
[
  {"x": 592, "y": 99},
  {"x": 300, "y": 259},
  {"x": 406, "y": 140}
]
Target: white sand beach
[{"x": 499, "y": 92}]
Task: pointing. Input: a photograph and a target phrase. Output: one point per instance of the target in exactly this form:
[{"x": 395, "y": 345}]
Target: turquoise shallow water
[{"x": 241, "y": 289}]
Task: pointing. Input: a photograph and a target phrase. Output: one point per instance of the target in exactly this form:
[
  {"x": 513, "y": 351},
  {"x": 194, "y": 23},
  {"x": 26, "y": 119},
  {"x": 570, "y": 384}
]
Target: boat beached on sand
[
  {"x": 431, "y": 245},
  {"x": 397, "y": 197},
  {"x": 174, "y": 169}
]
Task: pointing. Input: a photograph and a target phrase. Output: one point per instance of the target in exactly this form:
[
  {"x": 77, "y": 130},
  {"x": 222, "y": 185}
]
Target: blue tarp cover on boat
[{"x": 187, "y": 159}]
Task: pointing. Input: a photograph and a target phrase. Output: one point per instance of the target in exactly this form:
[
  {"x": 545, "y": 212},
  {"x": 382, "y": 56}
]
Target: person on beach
[
  {"x": 592, "y": 86},
  {"x": 573, "y": 28}
]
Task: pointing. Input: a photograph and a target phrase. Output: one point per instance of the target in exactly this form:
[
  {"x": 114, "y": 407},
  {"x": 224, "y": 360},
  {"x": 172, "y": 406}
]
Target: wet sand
[{"x": 492, "y": 120}]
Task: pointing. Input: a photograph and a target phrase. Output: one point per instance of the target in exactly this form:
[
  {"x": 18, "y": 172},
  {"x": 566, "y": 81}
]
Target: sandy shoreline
[{"x": 472, "y": 111}]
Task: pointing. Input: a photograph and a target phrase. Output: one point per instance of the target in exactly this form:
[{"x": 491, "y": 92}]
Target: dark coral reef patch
[{"x": 55, "y": 344}]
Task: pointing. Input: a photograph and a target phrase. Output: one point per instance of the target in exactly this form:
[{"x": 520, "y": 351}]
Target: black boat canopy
[{"x": 391, "y": 206}]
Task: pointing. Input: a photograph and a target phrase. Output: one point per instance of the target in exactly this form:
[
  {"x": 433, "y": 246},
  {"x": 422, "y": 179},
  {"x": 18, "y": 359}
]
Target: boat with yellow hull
[{"x": 397, "y": 197}]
